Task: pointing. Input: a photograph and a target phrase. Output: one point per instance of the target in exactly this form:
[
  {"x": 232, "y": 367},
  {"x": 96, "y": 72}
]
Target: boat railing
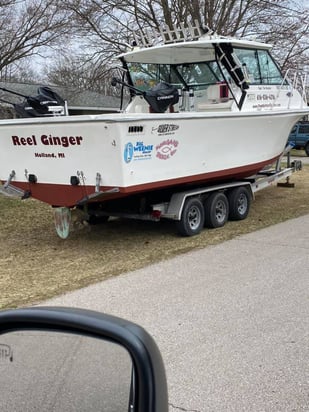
[
  {"x": 182, "y": 33},
  {"x": 285, "y": 81},
  {"x": 298, "y": 82}
]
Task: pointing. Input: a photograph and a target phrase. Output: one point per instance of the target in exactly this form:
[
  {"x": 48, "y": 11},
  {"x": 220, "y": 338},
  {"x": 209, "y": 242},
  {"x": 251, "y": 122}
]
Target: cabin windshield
[
  {"x": 190, "y": 75},
  {"x": 257, "y": 65}
]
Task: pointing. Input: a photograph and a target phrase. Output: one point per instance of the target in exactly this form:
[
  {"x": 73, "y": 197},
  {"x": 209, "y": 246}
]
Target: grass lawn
[{"x": 35, "y": 264}]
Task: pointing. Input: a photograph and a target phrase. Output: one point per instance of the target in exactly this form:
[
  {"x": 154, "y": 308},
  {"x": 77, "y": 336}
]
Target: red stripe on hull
[{"x": 68, "y": 195}]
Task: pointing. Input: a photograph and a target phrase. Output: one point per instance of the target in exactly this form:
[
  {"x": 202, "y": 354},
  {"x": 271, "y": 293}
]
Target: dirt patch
[{"x": 35, "y": 264}]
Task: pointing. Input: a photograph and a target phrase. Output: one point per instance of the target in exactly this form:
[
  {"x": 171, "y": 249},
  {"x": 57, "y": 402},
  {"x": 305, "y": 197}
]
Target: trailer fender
[{"x": 176, "y": 204}]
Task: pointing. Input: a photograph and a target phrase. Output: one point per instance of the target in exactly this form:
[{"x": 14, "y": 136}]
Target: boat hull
[{"x": 68, "y": 161}]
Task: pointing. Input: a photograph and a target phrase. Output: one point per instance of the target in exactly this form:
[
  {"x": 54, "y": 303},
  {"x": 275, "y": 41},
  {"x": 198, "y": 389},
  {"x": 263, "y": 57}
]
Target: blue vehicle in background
[{"x": 299, "y": 136}]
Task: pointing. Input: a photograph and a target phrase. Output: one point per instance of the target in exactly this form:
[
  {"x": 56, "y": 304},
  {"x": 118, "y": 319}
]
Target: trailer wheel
[
  {"x": 192, "y": 218},
  {"x": 307, "y": 149},
  {"x": 239, "y": 203},
  {"x": 216, "y": 208}
]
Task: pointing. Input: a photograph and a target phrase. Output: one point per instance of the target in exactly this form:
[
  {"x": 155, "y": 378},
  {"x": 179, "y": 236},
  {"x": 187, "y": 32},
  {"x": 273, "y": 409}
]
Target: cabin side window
[
  {"x": 145, "y": 75},
  {"x": 270, "y": 73},
  {"x": 259, "y": 66}
]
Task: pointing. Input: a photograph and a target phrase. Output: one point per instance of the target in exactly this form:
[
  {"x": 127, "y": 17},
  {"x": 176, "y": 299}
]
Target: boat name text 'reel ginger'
[{"x": 47, "y": 140}]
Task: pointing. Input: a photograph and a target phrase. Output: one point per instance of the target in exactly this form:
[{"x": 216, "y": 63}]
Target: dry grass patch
[{"x": 35, "y": 264}]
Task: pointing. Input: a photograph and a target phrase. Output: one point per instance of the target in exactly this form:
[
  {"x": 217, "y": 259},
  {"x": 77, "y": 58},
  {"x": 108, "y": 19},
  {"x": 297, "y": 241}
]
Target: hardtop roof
[{"x": 187, "y": 52}]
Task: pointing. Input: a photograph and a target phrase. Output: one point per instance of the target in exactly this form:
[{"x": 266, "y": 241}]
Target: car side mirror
[{"x": 54, "y": 358}]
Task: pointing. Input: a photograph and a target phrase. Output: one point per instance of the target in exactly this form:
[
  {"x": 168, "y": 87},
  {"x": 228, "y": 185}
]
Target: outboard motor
[
  {"x": 161, "y": 96},
  {"x": 25, "y": 110},
  {"x": 43, "y": 103},
  {"x": 51, "y": 98},
  {"x": 46, "y": 103}
]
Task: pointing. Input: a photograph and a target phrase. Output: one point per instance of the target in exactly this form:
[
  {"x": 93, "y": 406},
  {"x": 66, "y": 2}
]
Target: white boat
[{"x": 203, "y": 109}]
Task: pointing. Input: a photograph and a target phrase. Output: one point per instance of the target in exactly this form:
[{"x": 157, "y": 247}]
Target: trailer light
[
  {"x": 32, "y": 178},
  {"x": 156, "y": 214},
  {"x": 74, "y": 181}
]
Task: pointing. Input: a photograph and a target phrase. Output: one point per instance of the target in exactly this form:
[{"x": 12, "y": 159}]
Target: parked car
[{"x": 299, "y": 136}]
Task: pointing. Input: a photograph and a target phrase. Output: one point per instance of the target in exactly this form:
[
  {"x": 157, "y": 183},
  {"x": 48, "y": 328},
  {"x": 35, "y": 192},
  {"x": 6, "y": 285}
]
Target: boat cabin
[{"x": 210, "y": 73}]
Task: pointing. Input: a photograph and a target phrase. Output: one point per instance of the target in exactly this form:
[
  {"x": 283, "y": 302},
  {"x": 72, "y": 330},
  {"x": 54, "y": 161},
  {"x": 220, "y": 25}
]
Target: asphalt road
[{"x": 231, "y": 321}]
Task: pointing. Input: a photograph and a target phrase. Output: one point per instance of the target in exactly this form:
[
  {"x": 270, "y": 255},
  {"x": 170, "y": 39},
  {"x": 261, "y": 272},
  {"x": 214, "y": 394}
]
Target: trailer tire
[
  {"x": 239, "y": 203},
  {"x": 216, "y": 208},
  {"x": 192, "y": 218},
  {"x": 307, "y": 149}
]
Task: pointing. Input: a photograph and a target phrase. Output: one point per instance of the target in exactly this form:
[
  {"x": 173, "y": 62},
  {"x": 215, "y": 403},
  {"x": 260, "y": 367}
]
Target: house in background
[{"x": 79, "y": 102}]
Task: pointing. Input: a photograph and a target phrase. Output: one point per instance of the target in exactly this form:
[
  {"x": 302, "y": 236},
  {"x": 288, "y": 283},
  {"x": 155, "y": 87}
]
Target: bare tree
[
  {"x": 101, "y": 29},
  {"x": 28, "y": 26},
  {"x": 108, "y": 25},
  {"x": 94, "y": 31},
  {"x": 77, "y": 73}
]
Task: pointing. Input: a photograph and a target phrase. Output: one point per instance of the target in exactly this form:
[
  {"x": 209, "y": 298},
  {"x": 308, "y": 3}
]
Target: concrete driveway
[{"x": 231, "y": 321}]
